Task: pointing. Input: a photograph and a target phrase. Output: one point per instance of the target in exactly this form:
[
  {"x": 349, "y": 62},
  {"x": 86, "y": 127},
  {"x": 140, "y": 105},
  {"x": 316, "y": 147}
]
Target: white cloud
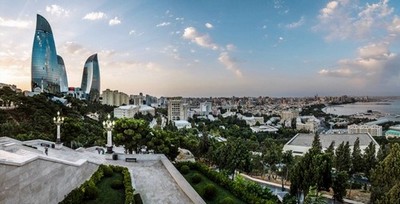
[
  {"x": 94, "y": 16},
  {"x": 57, "y": 10},
  {"x": 114, "y": 21},
  {"x": 229, "y": 63},
  {"x": 191, "y": 34},
  {"x": 329, "y": 9},
  {"x": 374, "y": 64},
  {"x": 132, "y": 32},
  {"x": 209, "y": 25},
  {"x": 179, "y": 19},
  {"x": 336, "y": 73},
  {"x": 163, "y": 24},
  {"x": 344, "y": 19},
  {"x": 296, "y": 24},
  {"x": 230, "y": 47},
  {"x": 15, "y": 23}
]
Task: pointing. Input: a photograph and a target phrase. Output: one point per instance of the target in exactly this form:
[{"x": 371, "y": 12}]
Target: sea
[{"x": 390, "y": 108}]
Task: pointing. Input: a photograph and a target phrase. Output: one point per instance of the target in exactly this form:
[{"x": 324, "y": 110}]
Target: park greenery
[
  {"x": 247, "y": 191},
  {"x": 109, "y": 184},
  {"x": 257, "y": 154}
]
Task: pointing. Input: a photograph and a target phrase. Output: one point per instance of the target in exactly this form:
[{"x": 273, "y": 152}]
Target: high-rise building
[
  {"x": 91, "y": 79},
  {"x": 63, "y": 79},
  {"x": 177, "y": 110},
  {"x": 45, "y": 71}
]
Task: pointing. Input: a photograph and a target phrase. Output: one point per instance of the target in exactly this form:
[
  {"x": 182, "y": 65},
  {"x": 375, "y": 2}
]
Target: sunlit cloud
[
  {"x": 296, "y": 24},
  {"x": 202, "y": 40},
  {"x": 163, "y": 24},
  {"x": 15, "y": 23},
  {"x": 114, "y": 21},
  {"x": 57, "y": 10},
  {"x": 229, "y": 63},
  {"x": 95, "y": 16},
  {"x": 209, "y": 25}
]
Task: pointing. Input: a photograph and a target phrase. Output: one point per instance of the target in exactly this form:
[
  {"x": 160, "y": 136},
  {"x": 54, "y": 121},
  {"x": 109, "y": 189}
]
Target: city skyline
[{"x": 214, "y": 48}]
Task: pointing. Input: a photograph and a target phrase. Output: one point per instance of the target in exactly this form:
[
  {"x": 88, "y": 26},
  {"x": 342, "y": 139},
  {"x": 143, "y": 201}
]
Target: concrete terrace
[{"x": 153, "y": 176}]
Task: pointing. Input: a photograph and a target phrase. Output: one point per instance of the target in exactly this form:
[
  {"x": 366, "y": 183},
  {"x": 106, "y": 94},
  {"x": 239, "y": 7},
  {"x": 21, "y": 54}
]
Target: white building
[
  {"x": 373, "y": 130},
  {"x": 253, "y": 120},
  {"x": 182, "y": 124},
  {"x": 264, "y": 128},
  {"x": 309, "y": 123},
  {"x": 301, "y": 143},
  {"x": 114, "y": 98},
  {"x": 177, "y": 110},
  {"x": 129, "y": 111},
  {"x": 205, "y": 108},
  {"x": 289, "y": 115}
]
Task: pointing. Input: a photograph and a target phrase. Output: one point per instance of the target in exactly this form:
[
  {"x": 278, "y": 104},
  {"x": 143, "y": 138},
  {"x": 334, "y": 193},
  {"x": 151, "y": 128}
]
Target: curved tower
[
  {"x": 90, "y": 85},
  {"x": 63, "y": 77},
  {"x": 45, "y": 69}
]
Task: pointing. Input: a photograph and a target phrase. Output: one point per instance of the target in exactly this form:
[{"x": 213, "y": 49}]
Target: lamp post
[
  {"x": 280, "y": 169},
  {"x": 58, "y": 121},
  {"x": 109, "y": 125}
]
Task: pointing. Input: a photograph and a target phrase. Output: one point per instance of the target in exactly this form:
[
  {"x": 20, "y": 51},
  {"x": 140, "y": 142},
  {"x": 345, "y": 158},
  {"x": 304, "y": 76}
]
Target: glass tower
[
  {"x": 91, "y": 79},
  {"x": 63, "y": 77},
  {"x": 46, "y": 72}
]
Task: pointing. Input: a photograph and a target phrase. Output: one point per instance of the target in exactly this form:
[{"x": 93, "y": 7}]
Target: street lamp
[
  {"x": 58, "y": 121},
  {"x": 109, "y": 125},
  {"x": 280, "y": 169}
]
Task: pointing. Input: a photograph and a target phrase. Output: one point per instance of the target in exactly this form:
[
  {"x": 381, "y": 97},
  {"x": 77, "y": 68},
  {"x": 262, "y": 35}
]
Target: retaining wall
[{"x": 41, "y": 180}]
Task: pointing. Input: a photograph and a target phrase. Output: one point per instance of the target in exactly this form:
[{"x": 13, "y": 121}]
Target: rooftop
[{"x": 306, "y": 140}]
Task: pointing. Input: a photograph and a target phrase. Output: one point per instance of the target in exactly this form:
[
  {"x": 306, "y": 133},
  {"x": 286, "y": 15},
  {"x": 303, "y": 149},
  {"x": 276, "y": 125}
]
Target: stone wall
[{"x": 41, "y": 180}]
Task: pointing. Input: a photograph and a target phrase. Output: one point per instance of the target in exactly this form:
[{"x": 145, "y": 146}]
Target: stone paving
[
  {"x": 153, "y": 182},
  {"x": 150, "y": 176}
]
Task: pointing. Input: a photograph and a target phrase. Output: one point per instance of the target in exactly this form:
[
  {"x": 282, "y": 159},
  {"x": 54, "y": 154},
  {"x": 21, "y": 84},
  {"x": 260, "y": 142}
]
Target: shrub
[
  {"x": 196, "y": 178},
  {"x": 108, "y": 172},
  {"x": 227, "y": 200},
  {"x": 185, "y": 169},
  {"x": 91, "y": 192},
  {"x": 209, "y": 192},
  {"x": 116, "y": 184}
]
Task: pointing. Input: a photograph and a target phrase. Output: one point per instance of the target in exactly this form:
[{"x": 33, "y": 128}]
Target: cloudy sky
[{"x": 214, "y": 48}]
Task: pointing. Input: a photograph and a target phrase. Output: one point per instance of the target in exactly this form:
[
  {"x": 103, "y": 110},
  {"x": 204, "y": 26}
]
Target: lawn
[
  {"x": 107, "y": 194},
  {"x": 221, "y": 192}
]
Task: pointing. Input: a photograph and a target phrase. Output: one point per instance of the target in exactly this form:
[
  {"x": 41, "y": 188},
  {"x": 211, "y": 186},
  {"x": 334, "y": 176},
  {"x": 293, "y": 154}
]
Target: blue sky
[{"x": 214, "y": 48}]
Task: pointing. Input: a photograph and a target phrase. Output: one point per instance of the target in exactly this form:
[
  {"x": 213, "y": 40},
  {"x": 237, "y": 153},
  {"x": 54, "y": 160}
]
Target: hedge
[
  {"x": 247, "y": 191},
  {"x": 85, "y": 190}
]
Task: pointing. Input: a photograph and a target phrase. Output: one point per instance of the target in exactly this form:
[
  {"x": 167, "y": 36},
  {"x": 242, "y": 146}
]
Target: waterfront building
[
  {"x": 373, "y": 130},
  {"x": 46, "y": 71},
  {"x": 309, "y": 123},
  {"x": 301, "y": 142},
  {"x": 91, "y": 79}
]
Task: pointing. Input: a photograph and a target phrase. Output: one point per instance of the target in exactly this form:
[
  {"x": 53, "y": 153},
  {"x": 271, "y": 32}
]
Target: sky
[{"x": 277, "y": 48}]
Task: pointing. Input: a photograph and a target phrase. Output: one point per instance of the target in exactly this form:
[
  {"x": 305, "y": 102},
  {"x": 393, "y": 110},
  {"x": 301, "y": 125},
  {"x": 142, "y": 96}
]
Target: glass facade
[
  {"x": 63, "y": 78},
  {"x": 91, "y": 79},
  {"x": 46, "y": 72}
]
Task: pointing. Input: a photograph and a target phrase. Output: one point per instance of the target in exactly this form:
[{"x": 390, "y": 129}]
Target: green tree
[
  {"x": 339, "y": 184},
  {"x": 313, "y": 169},
  {"x": 386, "y": 178},
  {"x": 369, "y": 159},
  {"x": 356, "y": 158},
  {"x": 313, "y": 197},
  {"x": 343, "y": 159},
  {"x": 132, "y": 133}
]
